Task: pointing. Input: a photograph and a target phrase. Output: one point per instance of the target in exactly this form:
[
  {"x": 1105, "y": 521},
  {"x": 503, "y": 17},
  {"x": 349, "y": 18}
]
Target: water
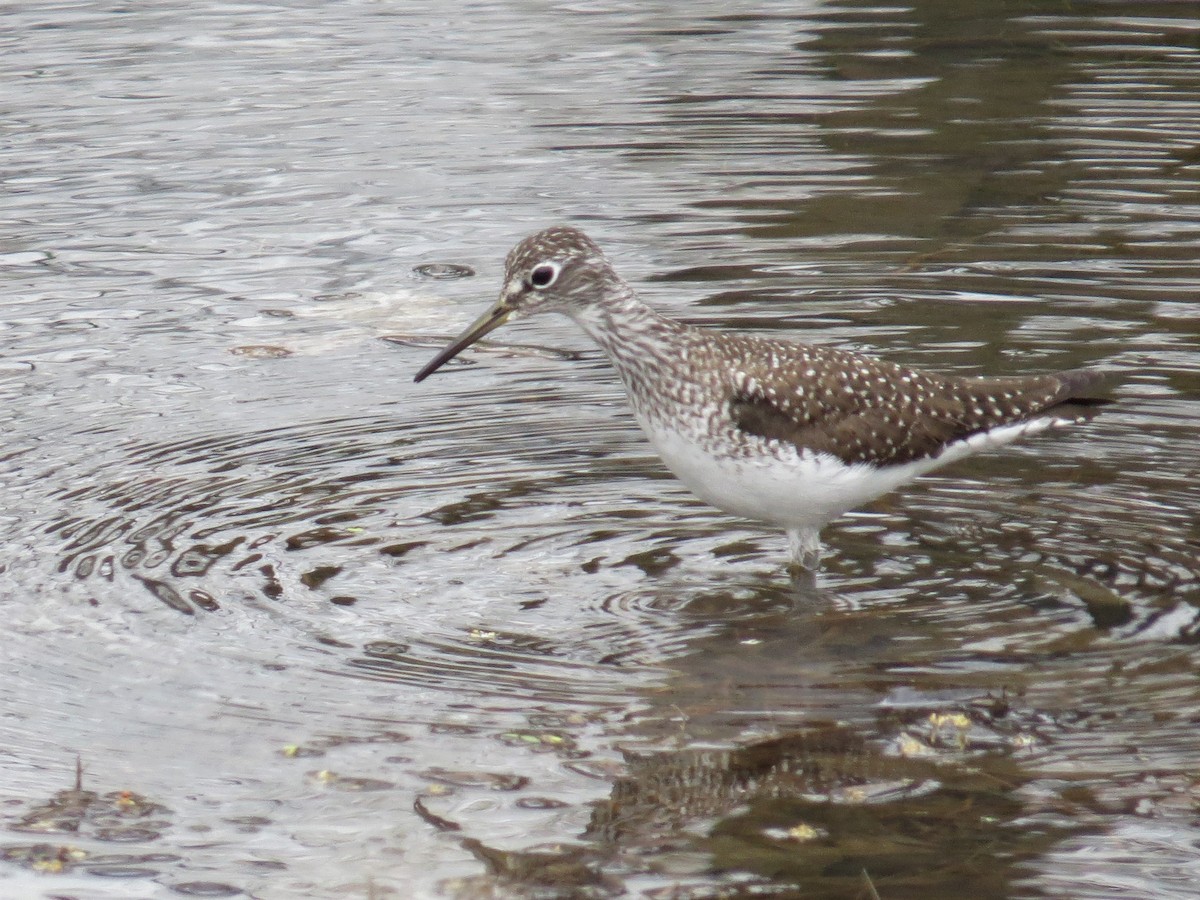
[{"x": 311, "y": 630}]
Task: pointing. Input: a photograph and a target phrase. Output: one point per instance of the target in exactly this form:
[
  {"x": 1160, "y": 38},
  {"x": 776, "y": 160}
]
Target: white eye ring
[{"x": 543, "y": 275}]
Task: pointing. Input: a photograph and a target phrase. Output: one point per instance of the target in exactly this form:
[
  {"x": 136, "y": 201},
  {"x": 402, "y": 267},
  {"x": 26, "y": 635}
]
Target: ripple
[
  {"x": 294, "y": 522},
  {"x": 1098, "y": 564},
  {"x": 443, "y": 271},
  {"x": 494, "y": 668}
]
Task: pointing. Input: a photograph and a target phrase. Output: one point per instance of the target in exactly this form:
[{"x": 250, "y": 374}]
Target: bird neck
[
  {"x": 648, "y": 349},
  {"x": 627, "y": 330}
]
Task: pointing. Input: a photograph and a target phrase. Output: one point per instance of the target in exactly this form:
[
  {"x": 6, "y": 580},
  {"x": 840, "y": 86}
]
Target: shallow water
[{"x": 312, "y": 630}]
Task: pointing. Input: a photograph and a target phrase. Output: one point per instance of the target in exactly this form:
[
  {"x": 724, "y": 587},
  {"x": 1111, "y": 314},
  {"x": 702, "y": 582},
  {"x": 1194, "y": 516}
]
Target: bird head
[{"x": 559, "y": 269}]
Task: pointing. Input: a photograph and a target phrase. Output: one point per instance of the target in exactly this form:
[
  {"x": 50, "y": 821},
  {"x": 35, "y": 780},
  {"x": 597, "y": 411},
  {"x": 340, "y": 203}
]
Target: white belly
[{"x": 801, "y": 491}]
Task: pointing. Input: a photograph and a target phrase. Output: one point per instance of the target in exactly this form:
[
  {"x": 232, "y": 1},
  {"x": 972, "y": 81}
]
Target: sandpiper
[{"x": 783, "y": 432}]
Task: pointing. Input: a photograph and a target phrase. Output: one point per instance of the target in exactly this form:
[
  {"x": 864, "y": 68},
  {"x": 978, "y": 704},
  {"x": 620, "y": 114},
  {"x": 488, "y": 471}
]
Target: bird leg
[{"x": 804, "y": 549}]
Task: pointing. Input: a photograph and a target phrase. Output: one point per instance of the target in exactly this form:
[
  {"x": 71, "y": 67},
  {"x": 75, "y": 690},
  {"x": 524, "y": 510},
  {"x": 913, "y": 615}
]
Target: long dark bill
[{"x": 489, "y": 321}]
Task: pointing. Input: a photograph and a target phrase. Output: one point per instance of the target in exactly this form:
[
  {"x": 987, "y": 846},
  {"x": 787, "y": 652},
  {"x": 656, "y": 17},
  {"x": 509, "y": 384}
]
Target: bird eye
[{"x": 543, "y": 275}]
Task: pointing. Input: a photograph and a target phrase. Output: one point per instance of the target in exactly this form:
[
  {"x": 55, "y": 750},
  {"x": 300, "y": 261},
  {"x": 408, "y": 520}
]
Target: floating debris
[
  {"x": 261, "y": 351},
  {"x": 349, "y": 783},
  {"x": 492, "y": 781},
  {"x": 433, "y": 819},
  {"x": 434, "y": 341},
  {"x": 799, "y": 833}
]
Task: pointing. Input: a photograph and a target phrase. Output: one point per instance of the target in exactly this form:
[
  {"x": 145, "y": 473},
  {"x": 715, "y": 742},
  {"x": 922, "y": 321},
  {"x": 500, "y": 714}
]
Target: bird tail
[{"x": 1081, "y": 394}]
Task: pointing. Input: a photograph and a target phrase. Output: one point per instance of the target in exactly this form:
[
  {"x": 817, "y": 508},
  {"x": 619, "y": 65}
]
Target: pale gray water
[{"x": 255, "y": 576}]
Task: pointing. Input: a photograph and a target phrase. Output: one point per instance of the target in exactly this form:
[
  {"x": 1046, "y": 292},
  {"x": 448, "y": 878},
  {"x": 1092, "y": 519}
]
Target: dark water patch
[{"x": 206, "y": 889}]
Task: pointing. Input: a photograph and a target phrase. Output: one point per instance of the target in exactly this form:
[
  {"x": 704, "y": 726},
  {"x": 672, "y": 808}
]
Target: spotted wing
[{"x": 862, "y": 410}]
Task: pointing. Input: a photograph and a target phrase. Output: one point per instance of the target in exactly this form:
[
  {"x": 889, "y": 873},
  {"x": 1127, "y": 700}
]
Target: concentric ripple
[{"x": 508, "y": 573}]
